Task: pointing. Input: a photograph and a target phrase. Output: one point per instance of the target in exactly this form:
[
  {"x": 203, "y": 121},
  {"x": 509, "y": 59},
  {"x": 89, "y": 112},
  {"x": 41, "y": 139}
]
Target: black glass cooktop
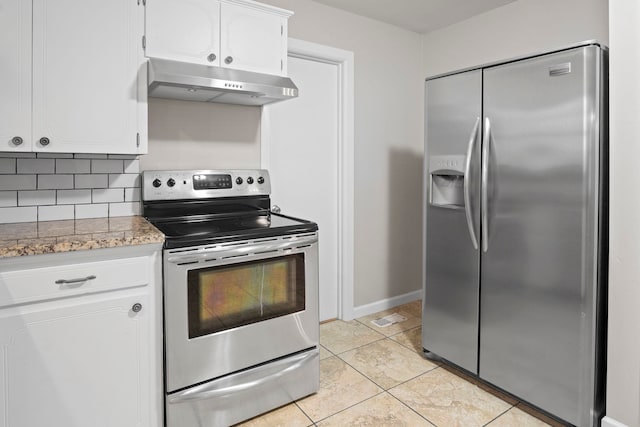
[{"x": 199, "y": 231}]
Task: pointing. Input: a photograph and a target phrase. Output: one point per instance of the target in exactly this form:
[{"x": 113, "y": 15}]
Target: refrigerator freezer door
[
  {"x": 539, "y": 274},
  {"x": 450, "y": 304}
]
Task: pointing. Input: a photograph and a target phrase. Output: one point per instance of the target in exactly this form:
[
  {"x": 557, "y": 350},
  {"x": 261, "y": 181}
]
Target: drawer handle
[{"x": 72, "y": 281}]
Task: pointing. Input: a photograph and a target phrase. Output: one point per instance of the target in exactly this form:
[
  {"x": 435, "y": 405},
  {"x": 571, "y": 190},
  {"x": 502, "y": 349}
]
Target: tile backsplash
[{"x": 50, "y": 186}]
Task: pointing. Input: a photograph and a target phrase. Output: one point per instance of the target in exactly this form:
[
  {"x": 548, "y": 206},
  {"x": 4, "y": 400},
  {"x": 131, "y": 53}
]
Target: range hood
[{"x": 194, "y": 82}]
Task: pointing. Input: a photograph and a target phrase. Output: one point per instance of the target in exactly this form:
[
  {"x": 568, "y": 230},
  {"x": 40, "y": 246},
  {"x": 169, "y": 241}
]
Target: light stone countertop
[{"x": 35, "y": 238}]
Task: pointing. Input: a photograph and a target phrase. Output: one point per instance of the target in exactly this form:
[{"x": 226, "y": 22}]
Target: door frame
[{"x": 344, "y": 60}]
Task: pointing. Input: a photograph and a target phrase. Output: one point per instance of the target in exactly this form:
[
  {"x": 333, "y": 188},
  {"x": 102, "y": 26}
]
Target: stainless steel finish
[
  {"x": 484, "y": 192},
  {"x": 228, "y": 60},
  {"x": 183, "y": 188},
  {"x": 520, "y": 57},
  {"x": 44, "y": 141},
  {"x": 136, "y": 307},
  {"x": 540, "y": 194},
  {"x": 243, "y": 380},
  {"x": 451, "y": 272},
  {"x": 74, "y": 281},
  {"x": 211, "y": 57},
  {"x": 275, "y": 209},
  {"x": 193, "y": 82},
  {"x": 560, "y": 69},
  {"x": 205, "y": 254},
  {"x": 191, "y": 361},
  {"x": 468, "y": 185},
  {"x": 16, "y": 140},
  {"x": 539, "y": 276},
  {"x": 218, "y": 373},
  {"x": 236, "y": 397}
]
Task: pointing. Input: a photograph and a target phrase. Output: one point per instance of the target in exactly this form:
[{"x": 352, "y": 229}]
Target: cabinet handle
[
  {"x": 44, "y": 141},
  {"x": 16, "y": 140},
  {"x": 228, "y": 60},
  {"x": 212, "y": 57},
  {"x": 136, "y": 307},
  {"x": 72, "y": 281}
]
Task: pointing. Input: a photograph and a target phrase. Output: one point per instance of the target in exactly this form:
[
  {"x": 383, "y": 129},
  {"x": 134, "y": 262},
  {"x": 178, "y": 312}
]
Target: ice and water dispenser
[{"x": 446, "y": 176}]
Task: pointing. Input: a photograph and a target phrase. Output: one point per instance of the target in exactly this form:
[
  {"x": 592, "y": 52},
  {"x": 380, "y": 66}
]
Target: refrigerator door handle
[
  {"x": 467, "y": 184},
  {"x": 484, "y": 202}
]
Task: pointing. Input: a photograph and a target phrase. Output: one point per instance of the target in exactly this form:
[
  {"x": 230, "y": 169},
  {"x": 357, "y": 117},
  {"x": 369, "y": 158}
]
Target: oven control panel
[
  {"x": 196, "y": 184},
  {"x": 212, "y": 181}
]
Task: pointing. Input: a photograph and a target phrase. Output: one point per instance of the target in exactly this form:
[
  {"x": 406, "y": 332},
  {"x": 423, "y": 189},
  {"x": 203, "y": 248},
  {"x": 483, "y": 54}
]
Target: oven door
[{"x": 235, "y": 305}]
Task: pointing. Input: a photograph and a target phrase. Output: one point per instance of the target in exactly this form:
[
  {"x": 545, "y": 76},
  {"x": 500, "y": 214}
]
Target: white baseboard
[
  {"x": 385, "y": 304},
  {"x": 610, "y": 422}
]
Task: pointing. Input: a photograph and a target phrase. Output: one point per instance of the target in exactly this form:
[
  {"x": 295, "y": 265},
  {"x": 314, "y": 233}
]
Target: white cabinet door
[
  {"x": 87, "y": 60},
  {"x": 71, "y": 364},
  {"x": 252, "y": 39},
  {"x": 15, "y": 75},
  {"x": 184, "y": 30}
]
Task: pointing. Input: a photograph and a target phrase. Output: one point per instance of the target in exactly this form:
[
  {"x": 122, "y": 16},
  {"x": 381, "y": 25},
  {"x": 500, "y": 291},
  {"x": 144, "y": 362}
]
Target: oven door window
[{"x": 228, "y": 296}]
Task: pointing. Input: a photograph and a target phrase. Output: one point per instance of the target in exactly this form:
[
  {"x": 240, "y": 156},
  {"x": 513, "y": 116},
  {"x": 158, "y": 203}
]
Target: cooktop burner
[{"x": 202, "y": 207}]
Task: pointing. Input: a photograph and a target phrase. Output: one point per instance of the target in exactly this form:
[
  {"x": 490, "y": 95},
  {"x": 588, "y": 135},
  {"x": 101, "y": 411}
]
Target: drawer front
[{"x": 39, "y": 284}]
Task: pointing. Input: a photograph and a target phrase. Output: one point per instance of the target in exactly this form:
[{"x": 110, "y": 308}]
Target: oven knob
[
  {"x": 250, "y": 180},
  {"x": 260, "y": 180},
  {"x": 238, "y": 180},
  {"x": 171, "y": 182},
  {"x": 157, "y": 183}
]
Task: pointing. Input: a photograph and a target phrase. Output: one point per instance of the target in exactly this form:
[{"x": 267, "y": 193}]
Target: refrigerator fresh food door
[
  {"x": 539, "y": 264},
  {"x": 452, "y": 220}
]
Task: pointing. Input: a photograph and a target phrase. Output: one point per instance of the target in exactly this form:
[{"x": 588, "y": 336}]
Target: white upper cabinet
[
  {"x": 238, "y": 34},
  {"x": 184, "y": 30},
  {"x": 15, "y": 75},
  {"x": 84, "y": 62},
  {"x": 253, "y": 39}
]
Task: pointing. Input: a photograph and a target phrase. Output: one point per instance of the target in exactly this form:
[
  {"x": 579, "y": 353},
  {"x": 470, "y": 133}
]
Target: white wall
[
  {"x": 519, "y": 28},
  {"x": 623, "y": 370},
  {"x": 199, "y": 135}
]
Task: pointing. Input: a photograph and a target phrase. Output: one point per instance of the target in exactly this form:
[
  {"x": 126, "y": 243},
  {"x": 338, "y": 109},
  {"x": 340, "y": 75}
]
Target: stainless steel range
[{"x": 240, "y": 296}]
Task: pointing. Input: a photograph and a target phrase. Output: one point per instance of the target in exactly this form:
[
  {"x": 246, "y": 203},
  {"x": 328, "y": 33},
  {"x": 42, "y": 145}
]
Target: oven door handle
[
  {"x": 236, "y": 383},
  {"x": 232, "y": 250}
]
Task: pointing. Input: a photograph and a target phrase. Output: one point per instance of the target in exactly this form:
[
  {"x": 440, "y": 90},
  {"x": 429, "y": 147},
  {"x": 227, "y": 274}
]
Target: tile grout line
[
  {"x": 295, "y": 402},
  {"x": 384, "y": 390},
  {"x": 383, "y": 336},
  {"x": 411, "y": 409},
  {"x": 501, "y": 414},
  {"x": 421, "y": 352},
  {"x": 344, "y": 409},
  {"x": 372, "y": 380}
]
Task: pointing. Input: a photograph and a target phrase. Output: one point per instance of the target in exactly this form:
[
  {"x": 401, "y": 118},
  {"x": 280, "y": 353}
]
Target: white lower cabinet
[{"x": 84, "y": 360}]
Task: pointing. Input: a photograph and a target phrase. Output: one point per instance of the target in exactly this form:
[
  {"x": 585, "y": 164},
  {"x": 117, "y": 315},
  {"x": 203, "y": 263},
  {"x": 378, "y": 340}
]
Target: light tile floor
[{"x": 373, "y": 376}]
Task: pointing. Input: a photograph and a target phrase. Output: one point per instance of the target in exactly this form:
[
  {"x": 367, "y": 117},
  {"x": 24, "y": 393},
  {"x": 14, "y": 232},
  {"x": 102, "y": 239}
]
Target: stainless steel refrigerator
[{"x": 515, "y": 227}]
